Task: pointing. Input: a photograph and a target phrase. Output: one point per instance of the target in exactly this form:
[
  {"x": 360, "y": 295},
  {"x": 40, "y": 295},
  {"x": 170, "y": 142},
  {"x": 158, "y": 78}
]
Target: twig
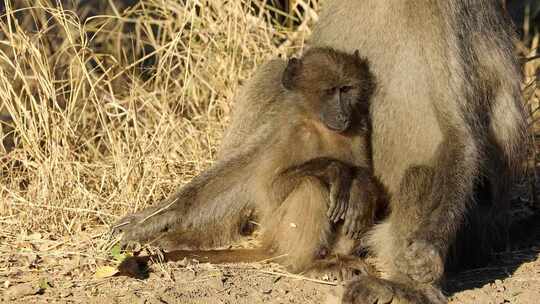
[
  {"x": 158, "y": 211},
  {"x": 62, "y": 208},
  {"x": 299, "y": 277}
]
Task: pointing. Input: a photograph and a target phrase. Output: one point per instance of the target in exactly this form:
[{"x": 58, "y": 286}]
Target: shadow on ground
[{"x": 524, "y": 249}]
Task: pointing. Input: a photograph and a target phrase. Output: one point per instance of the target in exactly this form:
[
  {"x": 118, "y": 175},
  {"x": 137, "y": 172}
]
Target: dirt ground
[{"x": 37, "y": 269}]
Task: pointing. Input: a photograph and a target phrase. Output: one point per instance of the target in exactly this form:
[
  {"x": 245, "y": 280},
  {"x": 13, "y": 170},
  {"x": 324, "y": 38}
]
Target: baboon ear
[
  {"x": 360, "y": 59},
  {"x": 291, "y": 72},
  {"x": 363, "y": 63}
]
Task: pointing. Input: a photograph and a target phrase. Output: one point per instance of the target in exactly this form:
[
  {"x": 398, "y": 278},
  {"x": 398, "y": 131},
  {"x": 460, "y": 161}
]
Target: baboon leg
[
  {"x": 369, "y": 289},
  {"x": 298, "y": 235},
  {"x": 299, "y": 230},
  {"x": 428, "y": 209},
  {"x": 366, "y": 197},
  {"x": 388, "y": 240},
  {"x": 212, "y": 205},
  {"x": 507, "y": 152},
  {"x": 304, "y": 239},
  {"x": 487, "y": 223}
]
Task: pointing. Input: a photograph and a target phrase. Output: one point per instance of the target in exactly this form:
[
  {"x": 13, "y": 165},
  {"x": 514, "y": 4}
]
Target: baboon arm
[
  {"x": 353, "y": 191},
  {"x": 336, "y": 174},
  {"x": 453, "y": 181},
  {"x": 429, "y": 208},
  {"x": 365, "y": 194}
]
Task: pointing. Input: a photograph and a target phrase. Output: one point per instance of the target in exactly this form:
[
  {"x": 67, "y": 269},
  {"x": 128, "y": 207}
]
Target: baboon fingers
[
  {"x": 339, "y": 202},
  {"x": 342, "y": 208},
  {"x": 332, "y": 209},
  {"x": 354, "y": 222}
]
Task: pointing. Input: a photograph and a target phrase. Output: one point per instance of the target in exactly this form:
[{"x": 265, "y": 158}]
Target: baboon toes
[
  {"x": 140, "y": 227},
  {"x": 352, "y": 270},
  {"x": 368, "y": 290},
  {"x": 421, "y": 261},
  {"x": 372, "y": 290}
]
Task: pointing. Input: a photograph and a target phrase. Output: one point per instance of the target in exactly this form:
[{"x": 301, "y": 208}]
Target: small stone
[
  {"x": 22, "y": 290},
  {"x": 216, "y": 281},
  {"x": 65, "y": 294},
  {"x": 184, "y": 262}
]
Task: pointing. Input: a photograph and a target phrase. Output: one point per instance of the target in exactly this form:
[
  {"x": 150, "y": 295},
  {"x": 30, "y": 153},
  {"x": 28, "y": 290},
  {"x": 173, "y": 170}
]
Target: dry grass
[
  {"x": 91, "y": 129},
  {"x": 104, "y": 114}
]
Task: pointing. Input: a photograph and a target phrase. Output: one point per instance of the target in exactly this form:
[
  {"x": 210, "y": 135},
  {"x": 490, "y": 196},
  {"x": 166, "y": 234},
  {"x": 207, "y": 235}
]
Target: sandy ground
[{"x": 37, "y": 269}]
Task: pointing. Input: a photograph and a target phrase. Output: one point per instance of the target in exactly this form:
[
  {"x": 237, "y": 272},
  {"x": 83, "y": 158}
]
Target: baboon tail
[{"x": 137, "y": 266}]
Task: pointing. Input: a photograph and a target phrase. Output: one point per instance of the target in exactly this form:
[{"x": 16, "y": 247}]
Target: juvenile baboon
[
  {"x": 448, "y": 133},
  {"x": 296, "y": 151}
]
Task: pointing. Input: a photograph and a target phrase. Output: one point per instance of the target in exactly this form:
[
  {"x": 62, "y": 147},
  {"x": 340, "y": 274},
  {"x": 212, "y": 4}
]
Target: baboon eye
[
  {"x": 331, "y": 91},
  {"x": 345, "y": 89}
]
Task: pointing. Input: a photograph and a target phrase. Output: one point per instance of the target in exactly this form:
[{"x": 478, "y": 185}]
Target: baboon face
[{"x": 332, "y": 84}]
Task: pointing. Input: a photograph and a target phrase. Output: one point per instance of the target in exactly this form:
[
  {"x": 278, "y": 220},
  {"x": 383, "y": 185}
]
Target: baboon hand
[
  {"x": 340, "y": 178},
  {"x": 360, "y": 213},
  {"x": 339, "y": 201},
  {"x": 357, "y": 219},
  {"x": 422, "y": 261}
]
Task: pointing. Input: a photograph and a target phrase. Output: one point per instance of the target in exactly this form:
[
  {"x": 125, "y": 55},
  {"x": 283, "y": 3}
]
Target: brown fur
[
  {"x": 448, "y": 133},
  {"x": 280, "y": 164}
]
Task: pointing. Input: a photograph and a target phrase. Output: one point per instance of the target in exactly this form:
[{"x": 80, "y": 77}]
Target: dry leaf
[{"x": 105, "y": 272}]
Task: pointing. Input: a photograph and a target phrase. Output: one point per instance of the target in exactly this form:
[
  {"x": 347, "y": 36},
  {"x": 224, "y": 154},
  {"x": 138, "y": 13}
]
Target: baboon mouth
[{"x": 340, "y": 127}]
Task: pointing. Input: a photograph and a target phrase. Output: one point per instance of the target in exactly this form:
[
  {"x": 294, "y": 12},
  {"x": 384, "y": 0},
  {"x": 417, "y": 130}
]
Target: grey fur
[{"x": 448, "y": 124}]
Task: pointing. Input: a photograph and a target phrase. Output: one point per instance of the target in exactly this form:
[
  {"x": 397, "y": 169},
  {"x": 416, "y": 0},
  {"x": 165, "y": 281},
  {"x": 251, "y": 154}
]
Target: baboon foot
[
  {"x": 368, "y": 290},
  {"x": 372, "y": 290},
  {"x": 143, "y": 226},
  {"x": 341, "y": 268},
  {"x": 421, "y": 261}
]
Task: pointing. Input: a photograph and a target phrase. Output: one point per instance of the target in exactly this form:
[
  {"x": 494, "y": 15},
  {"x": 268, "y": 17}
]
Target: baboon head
[{"x": 332, "y": 83}]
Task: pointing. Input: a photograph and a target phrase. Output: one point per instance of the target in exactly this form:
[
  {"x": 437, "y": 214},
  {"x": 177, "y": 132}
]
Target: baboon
[
  {"x": 296, "y": 153},
  {"x": 448, "y": 134}
]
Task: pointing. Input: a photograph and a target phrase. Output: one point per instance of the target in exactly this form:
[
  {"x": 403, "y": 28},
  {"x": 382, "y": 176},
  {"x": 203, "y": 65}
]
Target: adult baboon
[
  {"x": 449, "y": 133},
  {"x": 297, "y": 147}
]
